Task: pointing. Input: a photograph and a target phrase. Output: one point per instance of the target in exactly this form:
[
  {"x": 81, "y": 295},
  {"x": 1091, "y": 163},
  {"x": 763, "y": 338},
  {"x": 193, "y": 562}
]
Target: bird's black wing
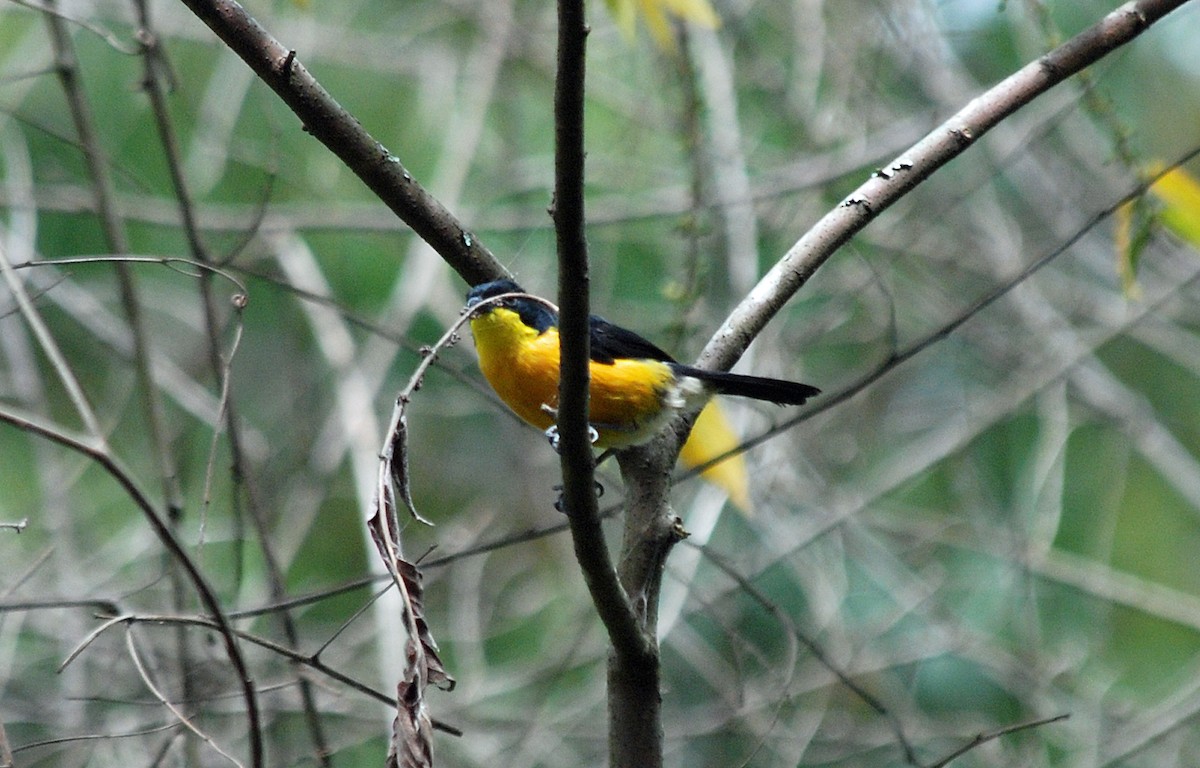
[{"x": 610, "y": 343}]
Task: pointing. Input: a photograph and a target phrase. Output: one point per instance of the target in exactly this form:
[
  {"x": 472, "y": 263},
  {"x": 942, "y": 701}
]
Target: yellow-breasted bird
[{"x": 635, "y": 387}]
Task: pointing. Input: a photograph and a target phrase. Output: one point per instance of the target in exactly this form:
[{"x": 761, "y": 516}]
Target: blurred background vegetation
[{"x": 1004, "y": 528}]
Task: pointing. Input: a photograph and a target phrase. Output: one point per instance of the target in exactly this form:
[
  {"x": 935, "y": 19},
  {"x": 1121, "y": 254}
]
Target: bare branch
[
  {"x": 894, "y": 180},
  {"x": 128, "y": 258},
  {"x": 83, "y": 644},
  {"x": 59, "y": 362},
  {"x": 635, "y": 722},
  {"x": 115, "y": 235},
  {"x": 333, "y": 126},
  {"x": 208, "y": 597},
  {"x": 83, "y": 737},
  {"x": 901, "y": 356},
  {"x": 131, "y": 646},
  {"x": 635, "y": 726},
  {"x": 984, "y": 738},
  {"x": 50, "y": 10}
]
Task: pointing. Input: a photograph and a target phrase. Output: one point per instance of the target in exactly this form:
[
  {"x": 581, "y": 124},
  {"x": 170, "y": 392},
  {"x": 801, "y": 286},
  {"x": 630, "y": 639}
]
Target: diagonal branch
[
  {"x": 95, "y": 450},
  {"x": 901, "y": 356},
  {"x": 890, "y": 183},
  {"x": 342, "y": 134}
]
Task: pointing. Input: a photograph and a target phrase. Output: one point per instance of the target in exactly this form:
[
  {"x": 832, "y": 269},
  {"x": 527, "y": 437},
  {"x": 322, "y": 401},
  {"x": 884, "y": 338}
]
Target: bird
[{"x": 636, "y": 387}]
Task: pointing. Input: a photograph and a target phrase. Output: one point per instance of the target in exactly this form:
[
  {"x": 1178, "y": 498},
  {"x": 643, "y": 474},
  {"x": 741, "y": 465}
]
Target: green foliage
[{"x": 999, "y": 529}]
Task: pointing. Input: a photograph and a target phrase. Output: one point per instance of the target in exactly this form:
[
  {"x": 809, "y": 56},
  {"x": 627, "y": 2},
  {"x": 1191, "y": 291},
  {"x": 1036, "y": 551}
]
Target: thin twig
[
  {"x": 98, "y": 603},
  {"x": 984, "y": 738},
  {"x": 353, "y": 617},
  {"x": 222, "y": 415},
  {"x": 131, "y": 646},
  {"x": 208, "y": 598},
  {"x": 291, "y": 654},
  {"x": 50, "y": 10},
  {"x": 117, "y": 239},
  {"x": 126, "y": 258},
  {"x": 88, "y": 639},
  {"x": 87, "y": 737},
  {"x": 813, "y": 647},
  {"x": 50, "y": 347}
]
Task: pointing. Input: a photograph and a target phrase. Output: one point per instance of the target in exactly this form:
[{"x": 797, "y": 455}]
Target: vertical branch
[
  {"x": 651, "y": 530},
  {"x": 575, "y": 449},
  {"x": 117, "y": 240},
  {"x": 567, "y": 209},
  {"x": 152, "y": 58},
  {"x": 635, "y": 727},
  {"x": 113, "y": 227}
]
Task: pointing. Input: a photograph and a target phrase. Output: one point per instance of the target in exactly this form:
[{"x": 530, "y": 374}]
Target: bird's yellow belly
[{"x": 629, "y": 399}]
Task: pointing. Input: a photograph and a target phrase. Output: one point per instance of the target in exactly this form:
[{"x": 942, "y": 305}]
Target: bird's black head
[
  {"x": 485, "y": 291},
  {"x": 532, "y": 313}
]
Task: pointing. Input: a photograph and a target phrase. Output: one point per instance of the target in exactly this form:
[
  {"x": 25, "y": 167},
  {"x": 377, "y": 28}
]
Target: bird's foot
[
  {"x": 552, "y": 435},
  {"x": 561, "y": 506}
]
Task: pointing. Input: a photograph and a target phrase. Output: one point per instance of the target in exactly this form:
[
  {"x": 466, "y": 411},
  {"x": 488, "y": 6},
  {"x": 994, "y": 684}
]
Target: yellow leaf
[
  {"x": 624, "y": 14},
  {"x": 656, "y": 22},
  {"x": 1180, "y": 196},
  {"x": 712, "y": 436},
  {"x": 657, "y": 15},
  {"x": 695, "y": 11}
]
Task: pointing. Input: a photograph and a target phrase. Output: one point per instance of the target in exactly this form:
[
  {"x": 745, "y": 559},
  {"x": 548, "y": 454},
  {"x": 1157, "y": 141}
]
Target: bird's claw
[
  {"x": 561, "y": 507},
  {"x": 552, "y": 435}
]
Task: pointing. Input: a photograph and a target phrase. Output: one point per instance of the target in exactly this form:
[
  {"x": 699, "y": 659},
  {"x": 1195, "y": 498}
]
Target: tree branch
[
  {"x": 103, "y": 192},
  {"x": 635, "y": 724},
  {"x": 579, "y": 496},
  {"x": 343, "y": 135},
  {"x": 893, "y": 181},
  {"x": 97, "y": 452}
]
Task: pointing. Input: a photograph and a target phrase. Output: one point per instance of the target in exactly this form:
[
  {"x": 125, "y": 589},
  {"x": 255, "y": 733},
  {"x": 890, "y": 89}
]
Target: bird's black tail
[{"x": 775, "y": 391}]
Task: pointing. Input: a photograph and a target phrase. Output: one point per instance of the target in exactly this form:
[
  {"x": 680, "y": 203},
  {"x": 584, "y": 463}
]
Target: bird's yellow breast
[{"x": 630, "y": 399}]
